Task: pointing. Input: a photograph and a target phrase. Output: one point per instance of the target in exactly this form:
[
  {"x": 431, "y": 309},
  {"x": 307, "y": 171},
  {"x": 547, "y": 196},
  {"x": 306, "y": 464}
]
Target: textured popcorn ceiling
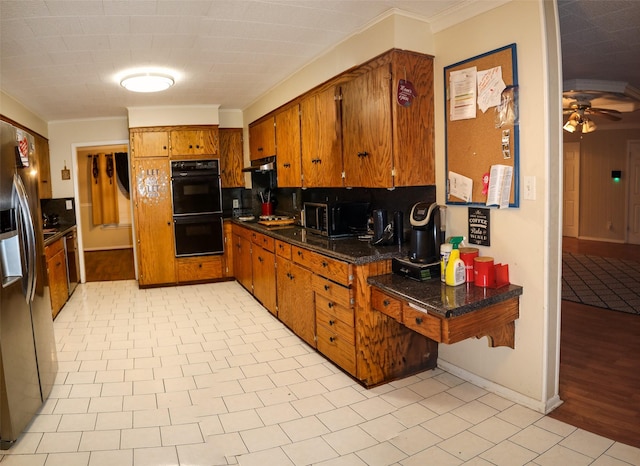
[{"x": 61, "y": 58}]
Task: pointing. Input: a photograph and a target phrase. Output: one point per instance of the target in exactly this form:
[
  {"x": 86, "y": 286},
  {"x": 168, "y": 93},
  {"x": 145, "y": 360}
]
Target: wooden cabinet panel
[
  {"x": 336, "y": 348},
  {"x": 57, "y": 275},
  {"x": 321, "y": 139},
  {"x": 231, "y": 158},
  {"x": 288, "y": 147},
  {"x": 201, "y": 268},
  {"x": 295, "y": 299},
  {"x": 145, "y": 142},
  {"x": 44, "y": 167},
  {"x": 264, "y": 277},
  {"x": 333, "y": 291},
  {"x": 228, "y": 250},
  {"x": 367, "y": 135},
  {"x": 338, "y": 271},
  {"x": 426, "y": 324},
  {"x": 283, "y": 249},
  {"x": 187, "y": 143},
  {"x": 264, "y": 241},
  {"x": 386, "y": 304},
  {"x": 153, "y": 220},
  {"x": 262, "y": 139},
  {"x": 242, "y": 258}
]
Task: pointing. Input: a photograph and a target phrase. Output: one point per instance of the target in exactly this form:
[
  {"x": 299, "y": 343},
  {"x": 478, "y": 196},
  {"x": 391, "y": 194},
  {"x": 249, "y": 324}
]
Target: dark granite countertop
[
  {"x": 51, "y": 235},
  {"x": 446, "y": 301},
  {"x": 350, "y": 250}
]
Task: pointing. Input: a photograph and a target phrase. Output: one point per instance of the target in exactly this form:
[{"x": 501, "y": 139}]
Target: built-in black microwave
[{"x": 336, "y": 219}]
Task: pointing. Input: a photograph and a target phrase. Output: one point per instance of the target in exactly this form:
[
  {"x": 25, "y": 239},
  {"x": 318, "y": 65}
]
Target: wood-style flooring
[
  {"x": 109, "y": 265},
  {"x": 600, "y": 361}
]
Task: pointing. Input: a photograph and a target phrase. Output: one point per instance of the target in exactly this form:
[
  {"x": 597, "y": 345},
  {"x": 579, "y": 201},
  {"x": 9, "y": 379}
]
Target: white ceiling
[{"x": 61, "y": 58}]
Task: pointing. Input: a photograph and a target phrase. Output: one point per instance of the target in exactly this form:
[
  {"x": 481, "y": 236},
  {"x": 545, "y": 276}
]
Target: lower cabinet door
[
  {"x": 295, "y": 300},
  {"x": 264, "y": 277}
]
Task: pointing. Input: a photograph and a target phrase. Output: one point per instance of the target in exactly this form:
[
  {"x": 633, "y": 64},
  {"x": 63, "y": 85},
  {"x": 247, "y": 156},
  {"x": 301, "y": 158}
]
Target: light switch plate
[{"x": 530, "y": 188}]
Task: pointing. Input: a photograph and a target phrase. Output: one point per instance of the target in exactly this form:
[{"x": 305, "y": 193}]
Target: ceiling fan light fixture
[
  {"x": 588, "y": 126},
  {"x": 570, "y": 126},
  {"x": 147, "y": 82}
]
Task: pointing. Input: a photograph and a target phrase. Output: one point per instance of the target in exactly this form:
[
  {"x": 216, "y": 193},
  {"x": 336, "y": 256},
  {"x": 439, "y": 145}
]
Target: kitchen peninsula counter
[
  {"x": 57, "y": 233},
  {"x": 351, "y": 250}
]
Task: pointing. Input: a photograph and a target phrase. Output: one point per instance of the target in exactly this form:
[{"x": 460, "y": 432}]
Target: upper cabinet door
[
  {"x": 288, "y": 147},
  {"x": 194, "y": 142},
  {"x": 321, "y": 141},
  {"x": 262, "y": 139},
  {"x": 231, "y": 158},
  {"x": 150, "y": 143},
  {"x": 366, "y": 124},
  {"x": 44, "y": 167}
]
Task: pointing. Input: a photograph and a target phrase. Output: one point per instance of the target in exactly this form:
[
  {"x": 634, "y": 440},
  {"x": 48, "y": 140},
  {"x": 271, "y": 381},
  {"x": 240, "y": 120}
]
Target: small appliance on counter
[
  {"x": 335, "y": 220},
  {"x": 428, "y": 223}
]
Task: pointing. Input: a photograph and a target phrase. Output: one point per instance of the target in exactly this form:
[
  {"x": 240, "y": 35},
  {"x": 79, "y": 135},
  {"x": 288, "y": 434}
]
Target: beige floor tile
[
  {"x": 145, "y": 437},
  {"x": 59, "y": 442},
  {"x": 111, "y": 458},
  {"x": 67, "y": 459},
  {"x": 507, "y": 453},
  {"x": 183, "y": 434},
  {"x": 159, "y": 456},
  {"x": 311, "y": 451},
  {"x": 100, "y": 440},
  {"x": 465, "y": 445},
  {"x": 349, "y": 440}
]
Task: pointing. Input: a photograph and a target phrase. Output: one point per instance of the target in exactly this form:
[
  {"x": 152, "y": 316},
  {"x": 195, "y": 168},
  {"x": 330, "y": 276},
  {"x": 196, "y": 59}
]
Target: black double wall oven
[{"x": 197, "y": 207}]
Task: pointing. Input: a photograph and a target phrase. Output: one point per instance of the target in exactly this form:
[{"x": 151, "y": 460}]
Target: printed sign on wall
[{"x": 479, "y": 222}]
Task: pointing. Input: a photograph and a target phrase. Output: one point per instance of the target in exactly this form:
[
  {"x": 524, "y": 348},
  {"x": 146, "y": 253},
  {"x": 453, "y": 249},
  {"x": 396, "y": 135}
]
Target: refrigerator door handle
[{"x": 25, "y": 223}]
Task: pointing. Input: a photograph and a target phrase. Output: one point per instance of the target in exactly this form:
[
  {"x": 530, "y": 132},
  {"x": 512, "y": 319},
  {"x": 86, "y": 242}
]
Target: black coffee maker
[{"x": 428, "y": 222}]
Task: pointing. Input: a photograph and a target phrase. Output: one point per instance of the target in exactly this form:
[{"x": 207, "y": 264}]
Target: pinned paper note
[
  {"x": 490, "y": 87},
  {"x": 500, "y": 185},
  {"x": 460, "y": 186}
]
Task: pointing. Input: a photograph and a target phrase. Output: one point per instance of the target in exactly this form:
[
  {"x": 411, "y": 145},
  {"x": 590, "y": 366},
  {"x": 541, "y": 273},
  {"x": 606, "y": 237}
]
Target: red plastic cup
[{"x": 267, "y": 208}]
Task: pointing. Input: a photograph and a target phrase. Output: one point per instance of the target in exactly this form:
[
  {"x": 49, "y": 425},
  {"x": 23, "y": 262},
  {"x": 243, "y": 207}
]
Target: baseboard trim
[{"x": 511, "y": 395}]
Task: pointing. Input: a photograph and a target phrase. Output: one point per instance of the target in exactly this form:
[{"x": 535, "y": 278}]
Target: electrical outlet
[
  {"x": 68, "y": 204},
  {"x": 236, "y": 204}
]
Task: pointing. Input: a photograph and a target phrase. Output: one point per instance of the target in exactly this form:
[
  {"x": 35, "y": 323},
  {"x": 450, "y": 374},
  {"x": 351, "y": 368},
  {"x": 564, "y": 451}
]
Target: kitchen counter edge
[
  {"x": 62, "y": 231},
  {"x": 446, "y": 301},
  {"x": 350, "y": 250}
]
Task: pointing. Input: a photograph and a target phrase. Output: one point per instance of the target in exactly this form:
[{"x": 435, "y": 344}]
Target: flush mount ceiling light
[{"x": 147, "y": 82}]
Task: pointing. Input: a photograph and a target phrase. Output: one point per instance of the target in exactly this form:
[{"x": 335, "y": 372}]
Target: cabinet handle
[
  {"x": 190, "y": 146},
  {"x": 164, "y": 147},
  {"x": 286, "y": 165},
  {"x": 326, "y": 287},
  {"x": 200, "y": 266},
  {"x": 324, "y": 264},
  {"x": 418, "y": 320},
  {"x": 260, "y": 149},
  {"x": 299, "y": 253},
  {"x": 331, "y": 322},
  {"x": 291, "y": 277},
  {"x": 363, "y": 154},
  {"x": 332, "y": 339},
  {"x": 260, "y": 258},
  {"x": 330, "y": 304},
  {"x": 386, "y": 302}
]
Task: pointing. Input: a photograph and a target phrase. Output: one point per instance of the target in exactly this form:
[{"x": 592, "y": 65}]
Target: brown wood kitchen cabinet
[
  {"x": 263, "y": 269},
  {"x": 262, "y": 138},
  {"x": 149, "y": 142},
  {"x": 150, "y": 177},
  {"x": 231, "y": 158},
  {"x": 288, "y": 147},
  {"x": 194, "y": 143},
  {"x": 242, "y": 256},
  {"x": 57, "y": 275},
  {"x": 386, "y": 144},
  {"x": 295, "y": 295},
  {"x": 321, "y": 139},
  {"x": 44, "y": 167}
]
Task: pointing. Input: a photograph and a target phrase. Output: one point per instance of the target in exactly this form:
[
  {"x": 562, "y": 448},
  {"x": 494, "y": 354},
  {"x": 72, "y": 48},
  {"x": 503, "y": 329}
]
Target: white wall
[
  {"x": 65, "y": 136},
  {"x": 526, "y": 238},
  {"x": 14, "y": 110},
  {"x": 519, "y": 237}
]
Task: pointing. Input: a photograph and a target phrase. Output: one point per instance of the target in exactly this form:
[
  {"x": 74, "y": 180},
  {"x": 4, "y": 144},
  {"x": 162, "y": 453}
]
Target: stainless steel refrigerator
[{"x": 28, "y": 358}]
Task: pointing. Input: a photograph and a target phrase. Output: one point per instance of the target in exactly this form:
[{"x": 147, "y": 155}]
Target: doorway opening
[{"x": 105, "y": 218}]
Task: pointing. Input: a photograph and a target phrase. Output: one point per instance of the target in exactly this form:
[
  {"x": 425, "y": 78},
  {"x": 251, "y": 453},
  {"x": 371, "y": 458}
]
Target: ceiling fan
[{"x": 579, "y": 110}]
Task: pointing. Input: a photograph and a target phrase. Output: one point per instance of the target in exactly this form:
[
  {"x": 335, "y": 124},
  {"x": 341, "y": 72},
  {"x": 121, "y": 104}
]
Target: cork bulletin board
[{"x": 477, "y": 141}]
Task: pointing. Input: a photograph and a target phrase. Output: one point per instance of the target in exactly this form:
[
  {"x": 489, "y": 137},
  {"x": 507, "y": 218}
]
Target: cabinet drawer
[
  {"x": 332, "y": 269},
  {"x": 333, "y": 291},
  {"x": 423, "y": 323},
  {"x": 336, "y": 310},
  {"x": 336, "y": 348},
  {"x": 242, "y": 232},
  {"x": 386, "y": 304},
  {"x": 283, "y": 249},
  {"x": 199, "y": 268},
  {"x": 326, "y": 319},
  {"x": 53, "y": 249},
  {"x": 264, "y": 241}
]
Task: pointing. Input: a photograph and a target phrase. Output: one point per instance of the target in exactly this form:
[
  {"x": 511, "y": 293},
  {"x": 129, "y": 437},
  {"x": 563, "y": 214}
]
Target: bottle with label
[
  {"x": 445, "y": 251},
  {"x": 455, "y": 272}
]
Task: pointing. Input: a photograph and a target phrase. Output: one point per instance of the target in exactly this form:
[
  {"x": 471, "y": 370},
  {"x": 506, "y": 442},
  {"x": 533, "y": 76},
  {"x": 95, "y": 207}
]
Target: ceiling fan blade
[{"x": 603, "y": 112}]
